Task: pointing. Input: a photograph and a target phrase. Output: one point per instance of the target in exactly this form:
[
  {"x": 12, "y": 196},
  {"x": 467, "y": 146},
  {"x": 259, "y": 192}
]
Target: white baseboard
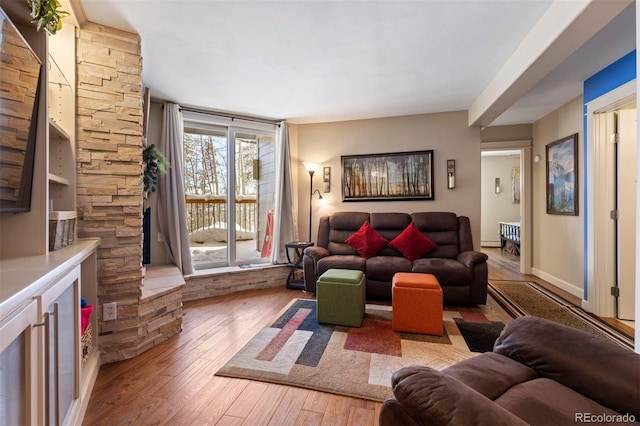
[
  {"x": 490, "y": 243},
  {"x": 561, "y": 284}
]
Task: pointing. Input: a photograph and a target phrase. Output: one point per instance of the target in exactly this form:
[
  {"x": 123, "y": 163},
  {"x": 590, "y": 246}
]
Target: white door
[{"x": 626, "y": 179}]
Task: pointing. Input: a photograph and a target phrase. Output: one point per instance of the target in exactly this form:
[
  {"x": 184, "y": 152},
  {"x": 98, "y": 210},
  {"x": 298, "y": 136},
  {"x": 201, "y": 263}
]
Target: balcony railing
[{"x": 210, "y": 211}]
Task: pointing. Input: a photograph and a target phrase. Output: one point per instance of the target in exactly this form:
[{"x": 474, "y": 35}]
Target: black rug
[{"x": 479, "y": 337}]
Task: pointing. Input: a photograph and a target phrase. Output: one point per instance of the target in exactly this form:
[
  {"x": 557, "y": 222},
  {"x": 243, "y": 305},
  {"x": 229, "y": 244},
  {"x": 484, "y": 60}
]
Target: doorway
[
  {"x": 612, "y": 185},
  {"x": 514, "y": 188}
]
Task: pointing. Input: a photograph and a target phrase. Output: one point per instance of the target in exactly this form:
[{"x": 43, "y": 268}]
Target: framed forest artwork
[
  {"x": 388, "y": 177},
  {"x": 562, "y": 176}
]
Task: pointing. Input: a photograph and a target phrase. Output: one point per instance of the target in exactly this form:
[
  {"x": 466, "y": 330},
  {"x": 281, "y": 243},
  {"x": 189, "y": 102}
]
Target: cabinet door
[
  {"x": 61, "y": 303},
  {"x": 18, "y": 373}
]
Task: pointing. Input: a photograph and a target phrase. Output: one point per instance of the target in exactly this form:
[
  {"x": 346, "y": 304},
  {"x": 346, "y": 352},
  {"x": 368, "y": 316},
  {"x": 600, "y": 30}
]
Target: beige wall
[
  {"x": 497, "y": 207},
  {"x": 514, "y": 132},
  {"x": 558, "y": 241},
  {"x": 448, "y": 134}
]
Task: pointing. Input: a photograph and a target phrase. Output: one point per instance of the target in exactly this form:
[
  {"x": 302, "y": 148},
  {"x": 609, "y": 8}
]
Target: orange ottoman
[{"x": 417, "y": 303}]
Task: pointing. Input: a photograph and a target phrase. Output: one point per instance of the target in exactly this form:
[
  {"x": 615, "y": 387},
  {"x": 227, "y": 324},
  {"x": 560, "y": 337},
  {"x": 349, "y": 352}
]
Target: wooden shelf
[
  {"x": 57, "y": 132},
  {"x": 58, "y": 179}
]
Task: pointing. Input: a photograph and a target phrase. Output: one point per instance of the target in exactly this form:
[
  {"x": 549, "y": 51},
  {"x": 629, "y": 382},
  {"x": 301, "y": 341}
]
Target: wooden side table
[{"x": 295, "y": 251}]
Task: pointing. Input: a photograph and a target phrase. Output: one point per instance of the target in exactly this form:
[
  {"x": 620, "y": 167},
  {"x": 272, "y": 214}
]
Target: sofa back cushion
[
  {"x": 440, "y": 227},
  {"x": 390, "y": 225},
  {"x": 342, "y": 225}
]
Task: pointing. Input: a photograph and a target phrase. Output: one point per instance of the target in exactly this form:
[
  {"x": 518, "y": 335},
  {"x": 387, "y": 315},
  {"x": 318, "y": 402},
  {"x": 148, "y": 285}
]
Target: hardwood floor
[{"x": 174, "y": 383}]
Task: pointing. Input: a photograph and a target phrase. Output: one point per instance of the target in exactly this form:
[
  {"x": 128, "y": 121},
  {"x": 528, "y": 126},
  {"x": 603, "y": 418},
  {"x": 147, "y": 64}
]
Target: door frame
[
  {"x": 526, "y": 201},
  {"x": 598, "y": 261}
]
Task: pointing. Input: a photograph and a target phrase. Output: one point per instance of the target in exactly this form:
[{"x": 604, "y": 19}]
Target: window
[{"x": 229, "y": 178}]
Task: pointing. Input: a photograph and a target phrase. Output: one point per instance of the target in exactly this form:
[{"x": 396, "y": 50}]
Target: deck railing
[{"x": 204, "y": 211}]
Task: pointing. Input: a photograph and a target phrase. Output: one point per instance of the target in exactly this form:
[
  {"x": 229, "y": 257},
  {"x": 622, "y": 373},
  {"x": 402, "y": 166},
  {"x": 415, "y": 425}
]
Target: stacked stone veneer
[
  {"x": 219, "y": 283},
  {"x": 109, "y": 189}
]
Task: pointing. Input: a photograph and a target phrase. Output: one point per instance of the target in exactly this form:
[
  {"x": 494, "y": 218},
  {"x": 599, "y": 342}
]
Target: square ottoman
[
  {"x": 416, "y": 303},
  {"x": 340, "y": 295}
]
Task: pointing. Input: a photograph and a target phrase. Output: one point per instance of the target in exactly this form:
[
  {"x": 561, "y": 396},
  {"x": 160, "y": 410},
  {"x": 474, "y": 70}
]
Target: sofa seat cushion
[
  {"x": 448, "y": 271},
  {"x": 341, "y": 261},
  {"x": 382, "y": 268},
  {"x": 544, "y": 401}
]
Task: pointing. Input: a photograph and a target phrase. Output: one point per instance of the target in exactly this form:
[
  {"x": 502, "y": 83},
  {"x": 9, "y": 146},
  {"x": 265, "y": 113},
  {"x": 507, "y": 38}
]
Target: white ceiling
[{"x": 316, "y": 61}]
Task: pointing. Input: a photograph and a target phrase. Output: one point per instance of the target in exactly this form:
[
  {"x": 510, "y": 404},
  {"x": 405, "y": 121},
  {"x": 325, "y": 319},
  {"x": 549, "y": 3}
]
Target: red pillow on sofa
[
  {"x": 411, "y": 243},
  {"x": 366, "y": 241}
]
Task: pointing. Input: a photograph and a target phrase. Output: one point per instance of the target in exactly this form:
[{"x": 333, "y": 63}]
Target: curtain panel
[{"x": 171, "y": 199}]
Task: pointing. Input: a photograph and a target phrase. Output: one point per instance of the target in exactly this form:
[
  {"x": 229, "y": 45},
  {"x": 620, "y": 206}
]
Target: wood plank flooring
[{"x": 173, "y": 383}]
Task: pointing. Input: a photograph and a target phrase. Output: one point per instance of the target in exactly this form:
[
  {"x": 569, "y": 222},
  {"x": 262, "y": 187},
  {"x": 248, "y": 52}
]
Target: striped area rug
[
  {"x": 296, "y": 350},
  {"x": 527, "y": 298}
]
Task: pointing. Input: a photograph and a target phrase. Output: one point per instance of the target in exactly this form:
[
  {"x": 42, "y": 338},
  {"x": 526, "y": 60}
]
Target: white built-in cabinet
[{"x": 43, "y": 379}]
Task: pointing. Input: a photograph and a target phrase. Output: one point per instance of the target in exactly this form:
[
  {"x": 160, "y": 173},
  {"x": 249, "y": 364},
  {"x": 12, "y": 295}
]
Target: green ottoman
[{"x": 340, "y": 296}]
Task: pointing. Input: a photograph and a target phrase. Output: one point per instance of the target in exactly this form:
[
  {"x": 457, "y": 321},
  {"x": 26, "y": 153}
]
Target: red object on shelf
[{"x": 85, "y": 317}]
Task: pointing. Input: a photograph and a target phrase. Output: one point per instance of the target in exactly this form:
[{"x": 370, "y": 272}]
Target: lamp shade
[{"x": 311, "y": 167}]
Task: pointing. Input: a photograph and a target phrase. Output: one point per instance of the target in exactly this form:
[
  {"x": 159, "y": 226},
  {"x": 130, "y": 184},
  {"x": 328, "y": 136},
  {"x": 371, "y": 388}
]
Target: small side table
[{"x": 295, "y": 251}]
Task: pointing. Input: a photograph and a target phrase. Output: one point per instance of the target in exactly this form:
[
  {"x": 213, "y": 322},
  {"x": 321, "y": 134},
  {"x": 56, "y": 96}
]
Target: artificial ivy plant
[
  {"x": 155, "y": 164},
  {"x": 45, "y": 14}
]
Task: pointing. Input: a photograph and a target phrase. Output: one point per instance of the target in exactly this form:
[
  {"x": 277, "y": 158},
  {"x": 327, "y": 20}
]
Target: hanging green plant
[
  {"x": 155, "y": 164},
  {"x": 45, "y": 14}
]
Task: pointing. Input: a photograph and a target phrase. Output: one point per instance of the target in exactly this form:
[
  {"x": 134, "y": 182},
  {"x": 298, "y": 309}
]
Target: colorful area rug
[
  {"x": 296, "y": 350},
  {"x": 526, "y": 298}
]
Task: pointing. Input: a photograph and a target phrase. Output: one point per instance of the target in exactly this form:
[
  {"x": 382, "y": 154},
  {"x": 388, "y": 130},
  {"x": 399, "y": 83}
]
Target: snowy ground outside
[{"x": 209, "y": 247}]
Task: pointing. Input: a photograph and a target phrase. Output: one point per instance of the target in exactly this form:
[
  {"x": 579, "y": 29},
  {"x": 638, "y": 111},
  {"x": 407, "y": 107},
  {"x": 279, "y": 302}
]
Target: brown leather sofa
[
  {"x": 539, "y": 373},
  {"x": 461, "y": 271}
]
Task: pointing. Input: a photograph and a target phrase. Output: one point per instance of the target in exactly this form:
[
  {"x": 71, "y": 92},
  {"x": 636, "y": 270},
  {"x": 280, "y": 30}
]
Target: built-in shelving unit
[
  {"x": 61, "y": 114},
  {"x": 33, "y": 278}
]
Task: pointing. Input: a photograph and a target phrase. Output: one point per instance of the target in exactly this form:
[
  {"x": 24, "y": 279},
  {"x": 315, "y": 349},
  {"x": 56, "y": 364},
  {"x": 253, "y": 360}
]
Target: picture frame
[
  {"x": 562, "y": 176},
  {"x": 398, "y": 176},
  {"x": 515, "y": 185}
]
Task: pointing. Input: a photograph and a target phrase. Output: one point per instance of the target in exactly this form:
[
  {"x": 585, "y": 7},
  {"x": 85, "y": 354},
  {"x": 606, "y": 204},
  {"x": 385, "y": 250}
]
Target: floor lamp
[{"x": 311, "y": 168}]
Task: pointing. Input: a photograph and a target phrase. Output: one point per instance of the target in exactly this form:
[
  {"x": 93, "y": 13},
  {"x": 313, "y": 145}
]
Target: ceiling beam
[{"x": 564, "y": 27}]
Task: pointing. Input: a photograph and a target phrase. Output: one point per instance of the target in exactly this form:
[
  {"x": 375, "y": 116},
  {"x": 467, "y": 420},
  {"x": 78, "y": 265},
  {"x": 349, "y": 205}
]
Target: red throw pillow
[
  {"x": 366, "y": 241},
  {"x": 411, "y": 243}
]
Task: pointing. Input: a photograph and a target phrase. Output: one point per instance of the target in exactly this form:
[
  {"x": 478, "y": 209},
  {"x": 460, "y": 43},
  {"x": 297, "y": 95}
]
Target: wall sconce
[
  {"x": 326, "y": 179},
  {"x": 498, "y": 189},
  {"x": 451, "y": 174}
]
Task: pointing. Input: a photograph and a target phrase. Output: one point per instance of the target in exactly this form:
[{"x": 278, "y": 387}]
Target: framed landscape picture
[
  {"x": 388, "y": 177},
  {"x": 562, "y": 176}
]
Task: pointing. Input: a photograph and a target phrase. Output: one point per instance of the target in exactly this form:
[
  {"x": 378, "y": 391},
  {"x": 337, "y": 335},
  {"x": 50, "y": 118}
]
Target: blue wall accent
[{"x": 615, "y": 75}]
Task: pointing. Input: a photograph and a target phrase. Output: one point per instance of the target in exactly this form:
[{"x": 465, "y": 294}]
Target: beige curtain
[
  {"x": 171, "y": 200},
  {"x": 283, "y": 229}
]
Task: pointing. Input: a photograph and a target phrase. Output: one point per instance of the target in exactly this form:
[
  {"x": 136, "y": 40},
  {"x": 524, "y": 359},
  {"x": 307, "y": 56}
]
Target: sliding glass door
[{"x": 229, "y": 186}]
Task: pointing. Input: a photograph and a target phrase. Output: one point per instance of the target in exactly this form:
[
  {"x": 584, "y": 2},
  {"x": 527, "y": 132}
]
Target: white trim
[
  {"x": 524, "y": 148},
  {"x": 598, "y": 297},
  {"x": 561, "y": 284}
]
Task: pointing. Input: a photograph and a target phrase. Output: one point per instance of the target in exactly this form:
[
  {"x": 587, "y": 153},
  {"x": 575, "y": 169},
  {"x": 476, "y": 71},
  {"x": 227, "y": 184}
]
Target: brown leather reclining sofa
[
  {"x": 461, "y": 271},
  {"x": 539, "y": 373}
]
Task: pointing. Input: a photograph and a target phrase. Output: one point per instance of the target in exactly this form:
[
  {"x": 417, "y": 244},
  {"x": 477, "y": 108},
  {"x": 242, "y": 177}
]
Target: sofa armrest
[
  {"x": 310, "y": 266},
  {"x": 471, "y": 258},
  {"x": 431, "y": 397},
  {"x": 316, "y": 253},
  {"x": 592, "y": 366}
]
